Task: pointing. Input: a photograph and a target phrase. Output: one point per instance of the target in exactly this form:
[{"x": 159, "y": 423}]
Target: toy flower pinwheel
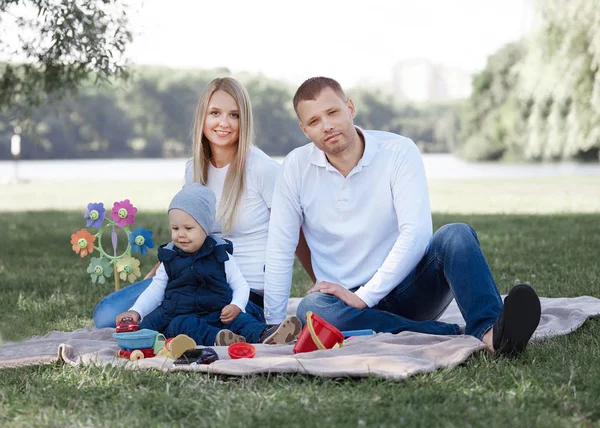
[
  {"x": 94, "y": 215},
  {"x": 140, "y": 240},
  {"x": 123, "y": 213},
  {"x": 83, "y": 242},
  {"x": 99, "y": 268},
  {"x": 129, "y": 268},
  {"x": 120, "y": 264}
]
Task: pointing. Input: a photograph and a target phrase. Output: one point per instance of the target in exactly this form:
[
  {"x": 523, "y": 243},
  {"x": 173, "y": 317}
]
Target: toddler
[{"x": 198, "y": 289}]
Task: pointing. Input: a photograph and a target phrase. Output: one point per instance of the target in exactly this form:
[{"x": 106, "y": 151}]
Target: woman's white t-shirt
[{"x": 251, "y": 226}]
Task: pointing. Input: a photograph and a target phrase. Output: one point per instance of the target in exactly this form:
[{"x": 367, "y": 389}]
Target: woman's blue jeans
[
  {"x": 453, "y": 267},
  {"x": 105, "y": 312}
]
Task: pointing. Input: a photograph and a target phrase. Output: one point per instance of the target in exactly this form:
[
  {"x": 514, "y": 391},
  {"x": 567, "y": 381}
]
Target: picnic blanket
[{"x": 392, "y": 356}]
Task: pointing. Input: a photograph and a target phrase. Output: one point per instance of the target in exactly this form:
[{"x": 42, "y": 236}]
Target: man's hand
[
  {"x": 129, "y": 314},
  {"x": 229, "y": 313},
  {"x": 342, "y": 293}
]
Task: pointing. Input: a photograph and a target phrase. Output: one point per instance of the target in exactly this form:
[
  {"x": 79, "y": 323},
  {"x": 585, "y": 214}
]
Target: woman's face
[{"x": 222, "y": 122}]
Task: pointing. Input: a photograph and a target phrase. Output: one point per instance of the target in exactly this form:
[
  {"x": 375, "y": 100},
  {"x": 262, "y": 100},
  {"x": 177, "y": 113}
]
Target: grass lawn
[{"x": 44, "y": 286}]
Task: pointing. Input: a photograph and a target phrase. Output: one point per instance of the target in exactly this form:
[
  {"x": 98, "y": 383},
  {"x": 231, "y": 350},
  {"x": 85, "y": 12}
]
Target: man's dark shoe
[{"x": 517, "y": 322}]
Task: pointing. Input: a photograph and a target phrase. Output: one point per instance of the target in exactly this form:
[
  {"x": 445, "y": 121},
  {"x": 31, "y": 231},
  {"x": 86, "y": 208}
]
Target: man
[{"x": 362, "y": 202}]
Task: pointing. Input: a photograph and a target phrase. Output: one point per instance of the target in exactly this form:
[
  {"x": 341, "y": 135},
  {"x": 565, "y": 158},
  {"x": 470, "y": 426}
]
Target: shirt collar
[
  {"x": 371, "y": 148},
  {"x": 318, "y": 158}
]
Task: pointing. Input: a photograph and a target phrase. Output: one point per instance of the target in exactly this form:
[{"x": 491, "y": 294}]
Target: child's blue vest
[{"x": 197, "y": 282}]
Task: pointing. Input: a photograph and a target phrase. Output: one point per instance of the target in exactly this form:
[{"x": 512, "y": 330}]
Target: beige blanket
[{"x": 392, "y": 356}]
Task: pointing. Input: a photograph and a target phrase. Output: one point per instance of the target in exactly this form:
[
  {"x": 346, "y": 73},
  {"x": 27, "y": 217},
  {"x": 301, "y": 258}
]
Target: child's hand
[
  {"x": 229, "y": 313},
  {"x": 129, "y": 314}
]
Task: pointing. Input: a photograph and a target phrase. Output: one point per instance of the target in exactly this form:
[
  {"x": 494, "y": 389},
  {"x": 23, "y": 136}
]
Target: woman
[{"x": 242, "y": 177}]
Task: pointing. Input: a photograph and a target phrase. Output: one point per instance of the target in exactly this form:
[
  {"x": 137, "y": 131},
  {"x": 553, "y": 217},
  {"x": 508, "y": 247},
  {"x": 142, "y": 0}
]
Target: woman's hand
[
  {"x": 229, "y": 313},
  {"x": 129, "y": 314}
]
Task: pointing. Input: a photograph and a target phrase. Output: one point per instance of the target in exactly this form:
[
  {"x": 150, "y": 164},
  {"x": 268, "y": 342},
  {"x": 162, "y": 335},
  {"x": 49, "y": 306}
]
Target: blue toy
[{"x": 352, "y": 333}]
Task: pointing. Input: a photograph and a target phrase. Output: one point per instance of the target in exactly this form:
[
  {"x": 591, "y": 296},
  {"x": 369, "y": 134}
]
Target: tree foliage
[
  {"x": 57, "y": 45},
  {"x": 494, "y": 118},
  {"x": 152, "y": 113},
  {"x": 539, "y": 99},
  {"x": 561, "y": 75}
]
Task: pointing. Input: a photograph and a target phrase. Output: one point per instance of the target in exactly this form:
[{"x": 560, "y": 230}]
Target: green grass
[{"x": 43, "y": 287}]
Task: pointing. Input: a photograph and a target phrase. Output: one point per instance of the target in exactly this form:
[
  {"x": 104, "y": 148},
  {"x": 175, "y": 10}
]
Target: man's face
[{"x": 328, "y": 121}]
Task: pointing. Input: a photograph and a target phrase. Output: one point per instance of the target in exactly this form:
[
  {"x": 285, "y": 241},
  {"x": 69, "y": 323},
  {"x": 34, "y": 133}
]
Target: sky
[{"x": 351, "y": 41}]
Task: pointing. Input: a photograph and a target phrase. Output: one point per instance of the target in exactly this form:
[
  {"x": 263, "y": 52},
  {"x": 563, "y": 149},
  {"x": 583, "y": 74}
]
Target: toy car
[
  {"x": 136, "y": 345},
  {"x": 127, "y": 325}
]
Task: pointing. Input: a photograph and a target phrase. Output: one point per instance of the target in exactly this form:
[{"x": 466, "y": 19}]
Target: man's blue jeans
[
  {"x": 105, "y": 313},
  {"x": 453, "y": 267}
]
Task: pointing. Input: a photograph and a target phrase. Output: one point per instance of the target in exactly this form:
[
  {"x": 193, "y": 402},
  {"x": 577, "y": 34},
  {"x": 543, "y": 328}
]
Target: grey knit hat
[{"x": 199, "y": 202}]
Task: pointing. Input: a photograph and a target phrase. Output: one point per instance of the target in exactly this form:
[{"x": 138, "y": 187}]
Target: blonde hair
[{"x": 235, "y": 180}]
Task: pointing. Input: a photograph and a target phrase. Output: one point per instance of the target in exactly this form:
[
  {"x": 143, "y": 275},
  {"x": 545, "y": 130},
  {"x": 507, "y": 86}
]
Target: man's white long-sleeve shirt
[{"x": 367, "y": 230}]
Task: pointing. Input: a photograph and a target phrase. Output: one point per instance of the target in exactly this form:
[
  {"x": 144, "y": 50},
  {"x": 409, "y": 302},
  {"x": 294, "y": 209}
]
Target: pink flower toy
[
  {"x": 123, "y": 213},
  {"x": 124, "y": 266}
]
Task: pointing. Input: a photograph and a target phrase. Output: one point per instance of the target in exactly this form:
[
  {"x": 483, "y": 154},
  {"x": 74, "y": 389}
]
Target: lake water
[{"x": 437, "y": 166}]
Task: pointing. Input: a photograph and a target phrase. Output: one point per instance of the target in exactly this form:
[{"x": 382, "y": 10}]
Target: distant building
[{"x": 420, "y": 80}]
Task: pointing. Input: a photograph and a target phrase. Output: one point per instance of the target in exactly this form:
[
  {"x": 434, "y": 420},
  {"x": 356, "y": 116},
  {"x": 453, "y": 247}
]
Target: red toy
[
  {"x": 318, "y": 334},
  {"x": 241, "y": 350},
  {"x": 126, "y": 325}
]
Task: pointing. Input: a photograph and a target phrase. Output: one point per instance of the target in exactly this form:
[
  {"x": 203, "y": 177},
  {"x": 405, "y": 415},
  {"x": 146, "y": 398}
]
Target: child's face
[{"x": 186, "y": 233}]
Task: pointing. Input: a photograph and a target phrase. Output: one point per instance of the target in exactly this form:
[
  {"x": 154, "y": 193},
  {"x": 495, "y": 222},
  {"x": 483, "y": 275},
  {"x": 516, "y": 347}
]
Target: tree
[
  {"x": 561, "y": 72},
  {"x": 60, "y": 44},
  {"x": 152, "y": 114},
  {"x": 493, "y": 120},
  {"x": 375, "y": 110},
  {"x": 539, "y": 99},
  {"x": 275, "y": 123}
]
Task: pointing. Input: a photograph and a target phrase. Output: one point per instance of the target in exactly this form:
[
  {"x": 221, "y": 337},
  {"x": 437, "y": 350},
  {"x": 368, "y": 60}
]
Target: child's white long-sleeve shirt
[{"x": 153, "y": 296}]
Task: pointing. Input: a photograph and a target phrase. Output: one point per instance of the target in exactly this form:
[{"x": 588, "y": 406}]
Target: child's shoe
[
  {"x": 227, "y": 337},
  {"x": 286, "y": 332}
]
